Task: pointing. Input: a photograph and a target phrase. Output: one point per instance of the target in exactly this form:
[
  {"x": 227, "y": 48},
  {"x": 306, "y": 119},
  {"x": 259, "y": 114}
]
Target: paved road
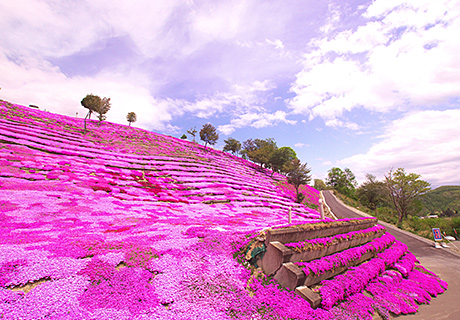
[{"x": 444, "y": 262}]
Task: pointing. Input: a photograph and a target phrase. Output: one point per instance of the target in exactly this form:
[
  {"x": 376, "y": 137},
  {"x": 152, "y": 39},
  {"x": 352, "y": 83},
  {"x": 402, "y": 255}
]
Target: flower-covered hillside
[
  {"x": 123, "y": 164},
  {"x": 128, "y": 206},
  {"x": 122, "y": 223}
]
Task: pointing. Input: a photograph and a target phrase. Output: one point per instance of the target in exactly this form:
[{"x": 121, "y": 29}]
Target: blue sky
[{"x": 367, "y": 85}]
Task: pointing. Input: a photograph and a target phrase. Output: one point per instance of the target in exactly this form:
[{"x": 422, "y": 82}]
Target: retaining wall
[{"x": 278, "y": 260}]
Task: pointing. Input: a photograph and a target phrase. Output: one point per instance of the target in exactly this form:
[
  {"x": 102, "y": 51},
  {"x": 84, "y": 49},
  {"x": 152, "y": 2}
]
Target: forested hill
[{"x": 444, "y": 199}]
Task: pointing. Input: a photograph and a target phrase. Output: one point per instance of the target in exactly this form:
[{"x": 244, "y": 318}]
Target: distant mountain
[{"x": 441, "y": 200}]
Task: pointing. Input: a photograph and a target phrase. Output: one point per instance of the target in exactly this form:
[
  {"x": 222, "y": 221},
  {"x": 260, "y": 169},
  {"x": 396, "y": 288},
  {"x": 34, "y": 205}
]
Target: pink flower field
[{"x": 123, "y": 223}]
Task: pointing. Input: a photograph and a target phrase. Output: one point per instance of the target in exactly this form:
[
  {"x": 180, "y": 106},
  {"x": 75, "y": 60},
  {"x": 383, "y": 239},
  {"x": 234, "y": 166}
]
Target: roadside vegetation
[{"x": 402, "y": 199}]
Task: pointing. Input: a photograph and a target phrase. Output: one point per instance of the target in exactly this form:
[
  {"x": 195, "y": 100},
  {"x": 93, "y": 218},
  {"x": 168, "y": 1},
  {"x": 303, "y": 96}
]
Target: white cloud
[
  {"x": 255, "y": 120},
  {"x": 277, "y": 43},
  {"x": 424, "y": 142},
  {"x": 56, "y": 29},
  {"x": 238, "y": 99},
  {"x": 301, "y": 145},
  {"x": 176, "y": 44},
  {"x": 332, "y": 20},
  {"x": 404, "y": 57},
  {"x": 31, "y": 82}
]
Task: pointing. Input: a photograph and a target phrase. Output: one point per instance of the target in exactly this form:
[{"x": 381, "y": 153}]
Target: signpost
[
  {"x": 437, "y": 234},
  {"x": 437, "y": 237}
]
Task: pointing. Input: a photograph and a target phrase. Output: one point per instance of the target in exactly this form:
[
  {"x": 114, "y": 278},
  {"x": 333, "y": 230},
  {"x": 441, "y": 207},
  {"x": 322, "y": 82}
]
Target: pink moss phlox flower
[
  {"x": 127, "y": 288},
  {"x": 343, "y": 258},
  {"x": 406, "y": 263},
  {"x": 328, "y": 241},
  {"x": 353, "y": 281},
  {"x": 358, "y": 306},
  {"x": 392, "y": 254}
]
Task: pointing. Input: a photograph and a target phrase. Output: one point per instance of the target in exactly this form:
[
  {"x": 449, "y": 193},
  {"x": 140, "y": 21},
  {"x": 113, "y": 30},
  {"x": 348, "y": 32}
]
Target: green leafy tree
[
  {"x": 192, "y": 132},
  {"x": 208, "y": 134},
  {"x": 371, "y": 192},
  {"x": 232, "y": 145},
  {"x": 131, "y": 117},
  {"x": 319, "y": 184},
  {"x": 281, "y": 157},
  {"x": 260, "y": 151},
  {"x": 298, "y": 174},
  {"x": 90, "y": 102},
  {"x": 344, "y": 181},
  {"x": 103, "y": 108},
  {"x": 248, "y": 146},
  {"x": 404, "y": 189},
  {"x": 183, "y": 137}
]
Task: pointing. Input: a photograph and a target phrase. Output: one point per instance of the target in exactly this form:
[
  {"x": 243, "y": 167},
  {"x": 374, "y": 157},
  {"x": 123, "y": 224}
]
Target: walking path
[{"x": 445, "y": 262}]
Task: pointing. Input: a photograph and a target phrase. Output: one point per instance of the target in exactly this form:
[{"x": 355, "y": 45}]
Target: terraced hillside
[{"x": 123, "y": 223}]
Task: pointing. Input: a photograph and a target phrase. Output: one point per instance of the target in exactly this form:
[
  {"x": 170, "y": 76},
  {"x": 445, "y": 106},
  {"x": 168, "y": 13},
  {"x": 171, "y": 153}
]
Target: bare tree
[{"x": 192, "y": 132}]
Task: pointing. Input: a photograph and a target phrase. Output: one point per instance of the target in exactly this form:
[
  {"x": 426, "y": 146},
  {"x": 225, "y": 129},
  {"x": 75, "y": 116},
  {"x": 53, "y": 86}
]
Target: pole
[
  {"x": 321, "y": 209},
  {"x": 289, "y": 215}
]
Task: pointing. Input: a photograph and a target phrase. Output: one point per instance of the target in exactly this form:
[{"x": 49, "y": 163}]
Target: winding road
[{"x": 445, "y": 262}]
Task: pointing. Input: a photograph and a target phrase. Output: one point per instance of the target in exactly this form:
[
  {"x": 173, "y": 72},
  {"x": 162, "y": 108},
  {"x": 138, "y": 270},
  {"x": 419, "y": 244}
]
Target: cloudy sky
[{"x": 367, "y": 85}]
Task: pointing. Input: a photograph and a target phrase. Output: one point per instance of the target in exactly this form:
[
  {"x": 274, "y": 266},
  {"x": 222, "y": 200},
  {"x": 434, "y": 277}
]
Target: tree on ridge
[
  {"x": 344, "y": 181},
  {"x": 319, "y": 185},
  {"x": 131, "y": 117},
  {"x": 208, "y": 134},
  {"x": 371, "y": 192},
  {"x": 298, "y": 174},
  {"x": 192, "y": 132},
  {"x": 260, "y": 151},
  {"x": 90, "y": 102},
  {"x": 280, "y": 158},
  {"x": 232, "y": 145},
  {"x": 103, "y": 108}
]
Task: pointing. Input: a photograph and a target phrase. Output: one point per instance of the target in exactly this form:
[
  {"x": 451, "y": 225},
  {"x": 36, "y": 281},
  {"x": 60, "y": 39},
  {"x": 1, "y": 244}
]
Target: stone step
[
  {"x": 277, "y": 253},
  {"x": 317, "y": 230},
  {"x": 291, "y": 276},
  {"x": 313, "y": 298}
]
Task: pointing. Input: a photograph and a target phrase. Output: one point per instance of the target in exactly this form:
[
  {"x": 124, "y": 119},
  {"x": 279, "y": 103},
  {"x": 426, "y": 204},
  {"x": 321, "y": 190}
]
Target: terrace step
[
  {"x": 277, "y": 253},
  {"x": 278, "y": 260},
  {"x": 306, "y": 232},
  {"x": 291, "y": 276},
  {"x": 313, "y": 298},
  {"x": 316, "y": 254}
]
